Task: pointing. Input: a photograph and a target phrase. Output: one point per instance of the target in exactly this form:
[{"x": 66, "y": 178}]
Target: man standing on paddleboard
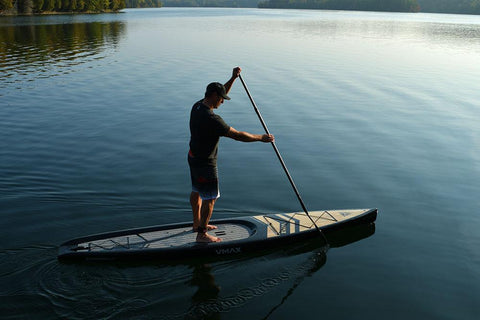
[{"x": 206, "y": 128}]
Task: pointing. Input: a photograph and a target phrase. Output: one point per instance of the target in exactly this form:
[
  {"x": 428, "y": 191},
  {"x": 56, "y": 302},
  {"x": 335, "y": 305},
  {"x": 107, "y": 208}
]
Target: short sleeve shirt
[{"x": 206, "y": 128}]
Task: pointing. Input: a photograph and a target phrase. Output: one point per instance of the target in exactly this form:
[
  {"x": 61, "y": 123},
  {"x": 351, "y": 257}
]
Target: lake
[{"x": 368, "y": 110}]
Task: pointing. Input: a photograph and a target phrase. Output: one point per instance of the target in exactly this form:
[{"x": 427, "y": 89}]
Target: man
[{"x": 206, "y": 128}]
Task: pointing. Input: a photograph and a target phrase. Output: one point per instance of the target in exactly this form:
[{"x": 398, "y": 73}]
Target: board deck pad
[
  {"x": 167, "y": 238},
  {"x": 234, "y": 232}
]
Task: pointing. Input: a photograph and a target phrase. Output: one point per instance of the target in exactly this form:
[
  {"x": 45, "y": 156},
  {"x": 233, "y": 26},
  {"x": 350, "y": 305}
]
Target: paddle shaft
[{"x": 280, "y": 157}]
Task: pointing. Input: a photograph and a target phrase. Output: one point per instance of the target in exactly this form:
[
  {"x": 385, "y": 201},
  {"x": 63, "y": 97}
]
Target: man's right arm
[{"x": 249, "y": 137}]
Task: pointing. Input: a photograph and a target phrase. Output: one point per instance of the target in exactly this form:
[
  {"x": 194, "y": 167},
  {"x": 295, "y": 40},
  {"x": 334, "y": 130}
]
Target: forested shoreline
[
  {"x": 439, "y": 6},
  {"x": 143, "y": 3},
  {"x": 13, "y": 7},
  {"x": 450, "y": 6},
  {"x": 28, "y": 7},
  {"x": 212, "y": 3},
  {"x": 361, "y": 5}
]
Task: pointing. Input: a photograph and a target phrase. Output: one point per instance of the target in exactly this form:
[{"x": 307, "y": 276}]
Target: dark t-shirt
[{"x": 206, "y": 128}]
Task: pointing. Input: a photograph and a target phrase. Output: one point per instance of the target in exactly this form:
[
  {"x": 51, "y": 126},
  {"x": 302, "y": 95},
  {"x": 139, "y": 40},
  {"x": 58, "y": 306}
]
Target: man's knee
[
  {"x": 209, "y": 203},
  {"x": 194, "y": 195}
]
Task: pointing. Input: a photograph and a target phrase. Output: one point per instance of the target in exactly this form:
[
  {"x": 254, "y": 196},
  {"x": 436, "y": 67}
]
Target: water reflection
[
  {"x": 207, "y": 290},
  {"x": 44, "y": 50},
  {"x": 207, "y": 303},
  {"x": 315, "y": 262}
]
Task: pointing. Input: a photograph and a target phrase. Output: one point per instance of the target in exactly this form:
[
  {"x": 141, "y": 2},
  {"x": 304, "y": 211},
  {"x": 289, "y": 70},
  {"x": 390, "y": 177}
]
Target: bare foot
[
  {"x": 206, "y": 238},
  {"x": 209, "y": 228}
]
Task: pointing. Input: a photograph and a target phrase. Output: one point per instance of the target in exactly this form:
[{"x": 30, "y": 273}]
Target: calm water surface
[{"x": 369, "y": 110}]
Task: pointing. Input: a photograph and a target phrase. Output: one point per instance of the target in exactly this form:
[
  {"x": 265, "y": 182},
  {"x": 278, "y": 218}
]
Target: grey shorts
[{"x": 205, "y": 181}]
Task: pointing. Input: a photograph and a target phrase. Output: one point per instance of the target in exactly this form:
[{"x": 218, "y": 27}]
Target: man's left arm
[{"x": 249, "y": 137}]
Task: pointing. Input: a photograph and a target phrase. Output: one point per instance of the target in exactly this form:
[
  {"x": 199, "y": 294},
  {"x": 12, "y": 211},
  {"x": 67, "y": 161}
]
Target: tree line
[
  {"x": 211, "y": 3},
  {"x": 143, "y": 3},
  {"x": 364, "y": 5},
  {"x": 450, "y": 6},
  {"x": 41, "y": 6},
  {"x": 444, "y": 6},
  {"x": 48, "y": 6}
]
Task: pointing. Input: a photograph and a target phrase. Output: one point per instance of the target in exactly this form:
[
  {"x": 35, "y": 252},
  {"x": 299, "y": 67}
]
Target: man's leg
[
  {"x": 205, "y": 215},
  {"x": 196, "y": 203}
]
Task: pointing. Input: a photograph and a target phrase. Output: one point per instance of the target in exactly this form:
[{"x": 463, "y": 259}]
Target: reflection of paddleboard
[{"x": 239, "y": 235}]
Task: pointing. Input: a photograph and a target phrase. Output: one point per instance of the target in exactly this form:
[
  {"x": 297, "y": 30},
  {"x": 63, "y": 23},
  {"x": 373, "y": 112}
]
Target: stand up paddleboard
[{"x": 239, "y": 236}]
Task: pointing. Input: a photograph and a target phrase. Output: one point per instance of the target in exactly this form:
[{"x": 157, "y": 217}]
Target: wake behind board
[{"x": 239, "y": 235}]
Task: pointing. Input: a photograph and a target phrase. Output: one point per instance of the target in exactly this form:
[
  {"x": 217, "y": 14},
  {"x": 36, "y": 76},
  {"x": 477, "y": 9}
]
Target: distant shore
[
  {"x": 46, "y": 13},
  {"x": 59, "y": 7},
  {"x": 269, "y": 4}
]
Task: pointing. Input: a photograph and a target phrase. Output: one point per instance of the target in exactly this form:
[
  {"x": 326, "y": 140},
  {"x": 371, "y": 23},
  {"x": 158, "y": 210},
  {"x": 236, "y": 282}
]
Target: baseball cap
[{"x": 218, "y": 88}]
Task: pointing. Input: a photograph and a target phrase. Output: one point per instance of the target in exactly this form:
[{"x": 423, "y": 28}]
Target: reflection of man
[
  {"x": 206, "y": 128},
  {"x": 207, "y": 288},
  {"x": 204, "y": 301}
]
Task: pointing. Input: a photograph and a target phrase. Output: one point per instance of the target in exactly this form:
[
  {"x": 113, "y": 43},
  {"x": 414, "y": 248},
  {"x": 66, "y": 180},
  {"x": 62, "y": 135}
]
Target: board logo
[
  {"x": 228, "y": 250},
  {"x": 345, "y": 213}
]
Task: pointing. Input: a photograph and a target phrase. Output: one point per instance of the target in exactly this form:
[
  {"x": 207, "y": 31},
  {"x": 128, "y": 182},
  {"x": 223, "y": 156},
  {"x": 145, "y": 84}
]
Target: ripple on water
[
  {"x": 34, "y": 279},
  {"x": 33, "y": 276}
]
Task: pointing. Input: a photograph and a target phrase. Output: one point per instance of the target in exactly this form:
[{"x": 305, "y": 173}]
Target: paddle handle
[{"x": 279, "y": 156}]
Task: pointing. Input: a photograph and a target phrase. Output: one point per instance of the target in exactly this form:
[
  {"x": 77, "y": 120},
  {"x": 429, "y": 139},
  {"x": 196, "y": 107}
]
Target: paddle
[{"x": 280, "y": 158}]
